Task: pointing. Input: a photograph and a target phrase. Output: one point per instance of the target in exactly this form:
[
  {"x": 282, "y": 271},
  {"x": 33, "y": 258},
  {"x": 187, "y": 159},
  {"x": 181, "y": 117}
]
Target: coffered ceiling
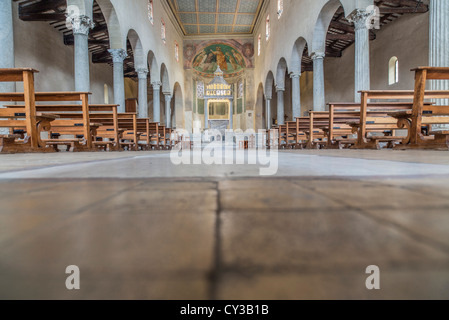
[{"x": 203, "y": 17}]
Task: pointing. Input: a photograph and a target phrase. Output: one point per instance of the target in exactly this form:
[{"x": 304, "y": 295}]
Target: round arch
[
  {"x": 136, "y": 44},
  {"x": 261, "y": 122},
  {"x": 153, "y": 67},
  {"x": 178, "y": 119},
  {"x": 280, "y": 73},
  {"x": 322, "y": 25},
  {"x": 116, "y": 40},
  {"x": 165, "y": 79},
  {"x": 297, "y": 54}
]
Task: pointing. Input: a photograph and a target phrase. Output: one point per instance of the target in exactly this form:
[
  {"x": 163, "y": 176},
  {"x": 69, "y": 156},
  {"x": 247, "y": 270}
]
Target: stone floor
[{"x": 140, "y": 227}]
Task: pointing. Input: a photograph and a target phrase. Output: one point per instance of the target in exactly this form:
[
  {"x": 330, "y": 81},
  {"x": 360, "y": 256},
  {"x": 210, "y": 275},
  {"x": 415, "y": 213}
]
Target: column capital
[
  {"x": 360, "y": 19},
  {"x": 118, "y": 55},
  {"x": 81, "y": 24},
  {"x": 167, "y": 95},
  {"x": 295, "y": 74},
  {"x": 142, "y": 73},
  {"x": 268, "y": 97},
  {"x": 317, "y": 55},
  {"x": 156, "y": 85},
  {"x": 280, "y": 88}
]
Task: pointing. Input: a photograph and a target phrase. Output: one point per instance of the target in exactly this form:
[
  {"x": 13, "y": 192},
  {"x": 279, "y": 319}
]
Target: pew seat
[{"x": 73, "y": 128}]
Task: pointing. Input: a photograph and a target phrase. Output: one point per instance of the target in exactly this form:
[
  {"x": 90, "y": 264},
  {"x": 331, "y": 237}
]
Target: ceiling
[{"x": 212, "y": 17}]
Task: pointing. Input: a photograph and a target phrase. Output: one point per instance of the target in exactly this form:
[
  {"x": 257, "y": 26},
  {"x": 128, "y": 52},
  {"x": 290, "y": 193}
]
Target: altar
[{"x": 218, "y": 103}]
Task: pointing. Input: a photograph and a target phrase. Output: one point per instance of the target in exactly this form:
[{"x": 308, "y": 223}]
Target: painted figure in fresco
[
  {"x": 221, "y": 59},
  {"x": 229, "y": 59},
  {"x": 200, "y": 59},
  {"x": 208, "y": 62},
  {"x": 232, "y": 61},
  {"x": 238, "y": 58}
]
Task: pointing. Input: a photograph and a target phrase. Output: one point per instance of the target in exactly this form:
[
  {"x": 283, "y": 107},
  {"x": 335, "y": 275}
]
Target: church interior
[{"x": 224, "y": 149}]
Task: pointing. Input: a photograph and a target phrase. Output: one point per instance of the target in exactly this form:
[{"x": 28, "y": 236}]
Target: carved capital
[
  {"x": 317, "y": 55},
  {"x": 280, "y": 88},
  {"x": 118, "y": 55},
  {"x": 360, "y": 19},
  {"x": 80, "y": 24},
  {"x": 295, "y": 75},
  {"x": 156, "y": 85},
  {"x": 142, "y": 73}
]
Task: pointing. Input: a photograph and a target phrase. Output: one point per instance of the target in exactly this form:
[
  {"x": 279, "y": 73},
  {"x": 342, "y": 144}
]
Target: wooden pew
[
  {"x": 18, "y": 140},
  {"x": 163, "y": 134},
  {"x": 272, "y": 138},
  {"x": 169, "y": 139},
  {"x": 423, "y": 114},
  {"x": 318, "y": 121},
  {"x": 83, "y": 127},
  {"x": 72, "y": 119},
  {"x": 143, "y": 127},
  {"x": 338, "y": 130},
  {"x": 25, "y": 75},
  {"x": 126, "y": 125},
  {"x": 375, "y": 118},
  {"x": 155, "y": 135},
  {"x": 293, "y": 135}
]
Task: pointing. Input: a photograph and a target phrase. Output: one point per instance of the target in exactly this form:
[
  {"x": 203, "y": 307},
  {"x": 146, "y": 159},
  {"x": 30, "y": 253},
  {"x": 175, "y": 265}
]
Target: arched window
[
  {"x": 164, "y": 40},
  {"x": 393, "y": 71},
  {"x": 280, "y": 8},
  {"x": 150, "y": 11},
  {"x": 106, "y": 94},
  {"x": 268, "y": 28},
  {"x": 176, "y": 51},
  {"x": 259, "y": 45}
]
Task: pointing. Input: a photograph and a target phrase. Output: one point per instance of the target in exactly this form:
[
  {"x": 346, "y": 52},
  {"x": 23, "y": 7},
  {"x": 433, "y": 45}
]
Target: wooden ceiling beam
[
  {"x": 69, "y": 40},
  {"x": 403, "y": 10},
  {"x": 41, "y": 6}
]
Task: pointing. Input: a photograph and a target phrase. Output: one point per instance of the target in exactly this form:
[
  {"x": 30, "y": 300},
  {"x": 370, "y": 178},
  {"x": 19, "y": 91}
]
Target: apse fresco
[{"x": 226, "y": 57}]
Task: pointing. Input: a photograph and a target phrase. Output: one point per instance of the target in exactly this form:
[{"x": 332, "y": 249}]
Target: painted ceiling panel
[
  {"x": 228, "y": 6},
  {"x": 189, "y": 18},
  {"x": 216, "y": 16},
  {"x": 226, "y": 19},
  {"x": 245, "y": 19},
  {"x": 186, "y": 6},
  {"x": 207, "y": 18}
]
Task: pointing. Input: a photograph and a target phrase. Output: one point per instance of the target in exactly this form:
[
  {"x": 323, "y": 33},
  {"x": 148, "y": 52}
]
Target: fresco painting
[{"x": 226, "y": 57}]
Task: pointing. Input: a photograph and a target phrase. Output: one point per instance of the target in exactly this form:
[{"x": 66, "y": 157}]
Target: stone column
[
  {"x": 280, "y": 93},
  {"x": 167, "y": 109},
  {"x": 142, "y": 74},
  {"x": 268, "y": 111},
  {"x": 362, "y": 59},
  {"x": 7, "y": 43},
  {"x": 439, "y": 42},
  {"x": 118, "y": 55},
  {"x": 156, "y": 101},
  {"x": 81, "y": 26},
  {"x": 319, "y": 98},
  {"x": 296, "y": 94},
  {"x": 173, "y": 118},
  {"x": 206, "y": 114},
  {"x": 231, "y": 114}
]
